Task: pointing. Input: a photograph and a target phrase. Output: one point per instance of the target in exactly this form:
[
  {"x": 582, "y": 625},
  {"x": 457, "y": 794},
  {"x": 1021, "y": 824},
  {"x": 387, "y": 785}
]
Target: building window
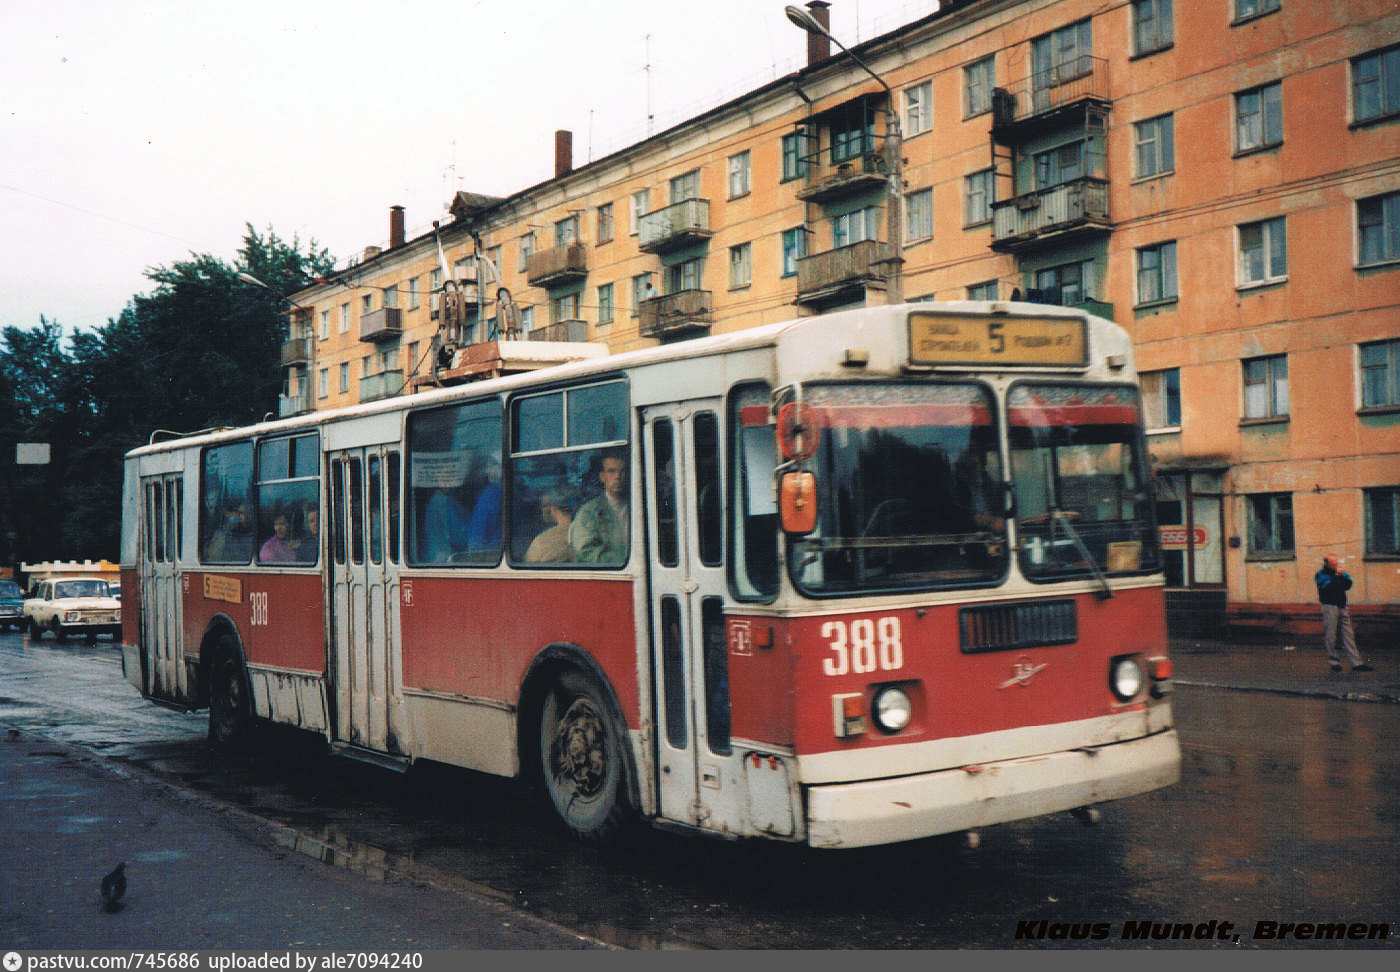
[
  {"x": 344, "y": 377},
  {"x": 918, "y": 216},
  {"x": 1059, "y": 165},
  {"x": 852, "y": 137},
  {"x": 1152, "y": 25},
  {"x": 638, "y": 206},
  {"x": 605, "y": 223},
  {"x": 642, "y": 290},
  {"x": 1266, "y": 387},
  {"x": 1378, "y": 229},
  {"x": 1156, "y": 152},
  {"x": 794, "y": 156},
  {"x": 412, "y": 293},
  {"x": 527, "y": 320},
  {"x": 366, "y": 303},
  {"x": 1259, "y": 118},
  {"x": 605, "y": 304},
  {"x": 344, "y": 317},
  {"x": 1263, "y": 252},
  {"x": 1270, "y": 524},
  {"x": 794, "y": 249},
  {"x": 980, "y": 194},
  {"x": 413, "y": 356},
  {"x": 324, "y": 332},
  {"x": 1161, "y": 398},
  {"x": 918, "y": 109},
  {"x": 565, "y": 308},
  {"x": 566, "y": 231},
  {"x": 323, "y": 383},
  {"x": 740, "y": 266},
  {"x": 987, "y": 290},
  {"x": 979, "y": 78},
  {"x": 1247, "y": 9},
  {"x": 1383, "y": 521},
  {"x": 1380, "y": 374},
  {"x": 1062, "y": 56},
  {"x": 686, "y": 186},
  {"x": 527, "y": 247},
  {"x": 739, "y": 175},
  {"x": 1375, "y": 85},
  {"x": 435, "y": 281},
  {"x": 391, "y": 296},
  {"x": 1074, "y": 282},
  {"x": 1156, "y": 273},
  {"x": 849, "y": 228},
  {"x": 684, "y": 276}
]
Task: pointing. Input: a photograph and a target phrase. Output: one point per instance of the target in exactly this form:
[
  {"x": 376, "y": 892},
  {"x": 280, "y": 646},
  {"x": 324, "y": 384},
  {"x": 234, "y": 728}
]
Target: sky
[{"x": 135, "y": 133}]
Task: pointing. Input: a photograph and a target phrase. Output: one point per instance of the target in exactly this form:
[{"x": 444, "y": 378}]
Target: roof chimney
[
  {"x": 395, "y": 226},
  {"x": 563, "y": 153},
  {"x": 819, "y": 45}
]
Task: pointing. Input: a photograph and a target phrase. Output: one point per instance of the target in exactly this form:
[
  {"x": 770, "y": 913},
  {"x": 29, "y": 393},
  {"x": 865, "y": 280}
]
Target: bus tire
[
  {"x": 582, "y": 759},
  {"x": 230, "y": 710}
]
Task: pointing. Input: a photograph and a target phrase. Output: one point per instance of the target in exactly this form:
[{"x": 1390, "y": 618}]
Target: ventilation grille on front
[{"x": 1002, "y": 627}]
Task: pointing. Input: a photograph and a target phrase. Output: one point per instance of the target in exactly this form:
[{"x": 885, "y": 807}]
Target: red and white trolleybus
[{"x": 847, "y": 580}]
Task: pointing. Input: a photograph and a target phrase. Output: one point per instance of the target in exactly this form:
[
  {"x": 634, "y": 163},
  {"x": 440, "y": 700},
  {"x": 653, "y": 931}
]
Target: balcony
[
  {"x": 1040, "y": 99},
  {"x": 678, "y": 225},
  {"x": 829, "y": 181},
  {"x": 830, "y": 277},
  {"x": 387, "y": 322},
  {"x": 386, "y": 384},
  {"x": 296, "y": 351},
  {"x": 289, "y": 405},
  {"x": 1055, "y": 214},
  {"x": 561, "y": 331},
  {"x": 681, "y": 311},
  {"x": 558, "y": 266}
]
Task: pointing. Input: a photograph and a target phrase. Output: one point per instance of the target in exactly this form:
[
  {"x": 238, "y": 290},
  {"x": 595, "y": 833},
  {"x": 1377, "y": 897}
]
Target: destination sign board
[{"x": 1003, "y": 340}]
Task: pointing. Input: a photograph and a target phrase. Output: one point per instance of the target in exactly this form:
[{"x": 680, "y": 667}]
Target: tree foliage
[{"x": 200, "y": 350}]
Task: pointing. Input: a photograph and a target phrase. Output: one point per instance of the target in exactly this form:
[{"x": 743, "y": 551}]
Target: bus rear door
[{"x": 162, "y": 532}]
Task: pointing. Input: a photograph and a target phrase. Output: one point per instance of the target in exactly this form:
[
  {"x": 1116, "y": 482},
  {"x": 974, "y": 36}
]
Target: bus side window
[{"x": 753, "y": 566}]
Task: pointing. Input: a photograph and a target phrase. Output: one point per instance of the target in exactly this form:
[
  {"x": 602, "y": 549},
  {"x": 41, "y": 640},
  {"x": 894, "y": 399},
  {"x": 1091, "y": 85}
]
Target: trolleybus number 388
[{"x": 861, "y": 644}]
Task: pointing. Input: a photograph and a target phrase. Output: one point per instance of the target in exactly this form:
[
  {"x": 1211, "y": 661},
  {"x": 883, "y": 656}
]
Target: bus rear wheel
[
  {"x": 581, "y": 757},
  {"x": 230, "y": 716}
]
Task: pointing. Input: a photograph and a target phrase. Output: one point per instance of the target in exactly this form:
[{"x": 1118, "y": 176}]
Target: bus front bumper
[{"x": 912, "y": 807}]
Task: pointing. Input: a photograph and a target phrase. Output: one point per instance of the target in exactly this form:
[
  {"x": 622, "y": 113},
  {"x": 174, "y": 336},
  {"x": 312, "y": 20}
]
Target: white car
[{"x": 73, "y": 605}]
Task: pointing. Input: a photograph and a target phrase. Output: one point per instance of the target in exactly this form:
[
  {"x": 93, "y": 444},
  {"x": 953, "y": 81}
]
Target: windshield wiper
[{"x": 1104, "y": 592}]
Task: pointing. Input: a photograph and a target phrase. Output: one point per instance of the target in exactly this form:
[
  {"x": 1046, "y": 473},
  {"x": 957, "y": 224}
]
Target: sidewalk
[{"x": 1296, "y": 667}]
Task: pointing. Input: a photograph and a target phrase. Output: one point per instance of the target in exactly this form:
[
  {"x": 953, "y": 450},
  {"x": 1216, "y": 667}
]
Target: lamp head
[{"x": 805, "y": 20}]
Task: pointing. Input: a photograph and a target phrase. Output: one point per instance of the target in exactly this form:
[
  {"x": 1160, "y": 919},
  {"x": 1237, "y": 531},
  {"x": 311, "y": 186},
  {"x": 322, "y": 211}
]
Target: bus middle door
[
  {"x": 700, "y": 777},
  {"x": 158, "y": 596}
]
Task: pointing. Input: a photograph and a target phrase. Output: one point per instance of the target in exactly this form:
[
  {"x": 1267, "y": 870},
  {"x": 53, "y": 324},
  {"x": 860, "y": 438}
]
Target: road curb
[{"x": 1384, "y": 697}]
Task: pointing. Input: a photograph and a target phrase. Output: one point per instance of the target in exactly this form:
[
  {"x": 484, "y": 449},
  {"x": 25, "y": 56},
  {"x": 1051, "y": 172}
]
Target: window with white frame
[
  {"x": 412, "y": 292},
  {"x": 1380, "y": 374},
  {"x": 1263, "y": 248},
  {"x": 1378, "y": 229},
  {"x": 1156, "y": 273},
  {"x": 605, "y": 304},
  {"x": 605, "y": 223},
  {"x": 739, "y": 175},
  {"x": 980, "y": 193},
  {"x": 1383, "y": 521},
  {"x": 1247, "y": 9},
  {"x": 1062, "y": 55},
  {"x": 323, "y": 383},
  {"x": 979, "y": 78},
  {"x": 918, "y": 216},
  {"x": 1270, "y": 523},
  {"x": 527, "y": 320},
  {"x": 638, "y": 205},
  {"x": 1073, "y": 281},
  {"x": 344, "y": 317},
  {"x": 1152, "y": 25},
  {"x": 344, "y": 377},
  {"x": 642, "y": 290},
  {"x": 855, "y": 227},
  {"x": 685, "y": 275},
  {"x": 366, "y": 303},
  {"x": 435, "y": 280},
  {"x": 685, "y": 186},
  {"x": 527, "y": 248},
  {"x": 1375, "y": 85},
  {"x": 324, "y": 332},
  {"x": 1156, "y": 152},
  {"x": 794, "y": 249},
  {"x": 391, "y": 296},
  {"x": 1266, "y": 387},
  {"x": 1259, "y": 117},
  {"x": 565, "y": 308},
  {"x": 987, "y": 290},
  {"x": 918, "y": 109},
  {"x": 566, "y": 231},
  {"x": 1161, "y": 398},
  {"x": 740, "y": 266}
]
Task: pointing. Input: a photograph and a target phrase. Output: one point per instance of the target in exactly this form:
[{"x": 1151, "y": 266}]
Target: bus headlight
[
  {"x": 1125, "y": 678},
  {"x": 892, "y": 709}
]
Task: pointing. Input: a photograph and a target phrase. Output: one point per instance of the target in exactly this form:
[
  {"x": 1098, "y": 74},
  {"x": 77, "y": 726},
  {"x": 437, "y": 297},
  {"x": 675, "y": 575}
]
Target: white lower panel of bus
[
  {"x": 477, "y": 734},
  {"x": 910, "y": 807},
  {"x": 294, "y": 698}
]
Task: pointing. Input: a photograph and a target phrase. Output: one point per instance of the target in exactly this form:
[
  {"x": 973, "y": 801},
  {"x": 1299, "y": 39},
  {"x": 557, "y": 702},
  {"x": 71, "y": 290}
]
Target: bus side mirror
[{"x": 797, "y": 502}]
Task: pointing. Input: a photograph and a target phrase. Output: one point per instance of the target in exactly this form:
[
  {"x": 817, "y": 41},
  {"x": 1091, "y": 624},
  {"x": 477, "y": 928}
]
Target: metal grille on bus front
[{"x": 1001, "y": 627}]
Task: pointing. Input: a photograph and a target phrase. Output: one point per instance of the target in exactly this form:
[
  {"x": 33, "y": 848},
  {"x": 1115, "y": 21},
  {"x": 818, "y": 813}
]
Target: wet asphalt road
[{"x": 1288, "y": 811}]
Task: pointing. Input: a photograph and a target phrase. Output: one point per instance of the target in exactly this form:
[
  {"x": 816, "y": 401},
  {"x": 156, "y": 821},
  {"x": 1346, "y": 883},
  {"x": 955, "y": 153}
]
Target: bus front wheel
[
  {"x": 230, "y": 717},
  {"x": 581, "y": 754}
]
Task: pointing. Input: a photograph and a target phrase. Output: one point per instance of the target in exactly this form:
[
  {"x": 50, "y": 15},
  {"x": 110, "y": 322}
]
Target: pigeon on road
[{"x": 114, "y": 886}]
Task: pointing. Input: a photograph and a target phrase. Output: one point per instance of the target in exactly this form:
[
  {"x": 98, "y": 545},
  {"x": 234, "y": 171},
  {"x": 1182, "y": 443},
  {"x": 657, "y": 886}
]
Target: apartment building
[{"x": 1220, "y": 177}]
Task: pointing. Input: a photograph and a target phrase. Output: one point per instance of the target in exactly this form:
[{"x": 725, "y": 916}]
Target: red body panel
[
  {"x": 291, "y": 631},
  {"x": 476, "y": 636},
  {"x": 131, "y": 607}
]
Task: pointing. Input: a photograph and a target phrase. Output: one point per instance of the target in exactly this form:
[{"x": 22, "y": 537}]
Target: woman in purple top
[{"x": 278, "y": 547}]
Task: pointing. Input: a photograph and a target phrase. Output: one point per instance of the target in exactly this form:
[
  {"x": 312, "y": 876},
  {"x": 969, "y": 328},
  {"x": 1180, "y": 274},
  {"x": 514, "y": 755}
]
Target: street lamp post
[{"x": 894, "y": 160}]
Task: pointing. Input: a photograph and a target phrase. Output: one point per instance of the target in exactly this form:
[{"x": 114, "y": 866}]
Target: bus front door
[
  {"x": 700, "y": 776},
  {"x": 364, "y": 584},
  {"x": 159, "y": 604}
]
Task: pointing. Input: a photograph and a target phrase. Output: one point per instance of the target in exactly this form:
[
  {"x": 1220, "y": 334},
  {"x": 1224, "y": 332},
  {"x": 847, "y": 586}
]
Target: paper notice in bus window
[
  {"x": 218, "y": 588},
  {"x": 438, "y": 470},
  {"x": 943, "y": 339},
  {"x": 1124, "y": 555}
]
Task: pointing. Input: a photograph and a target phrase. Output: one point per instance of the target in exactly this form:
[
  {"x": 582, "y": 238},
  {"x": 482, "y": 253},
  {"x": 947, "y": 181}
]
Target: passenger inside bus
[
  {"x": 279, "y": 548},
  {"x": 233, "y": 541},
  {"x": 599, "y": 533},
  {"x": 552, "y": 546}
]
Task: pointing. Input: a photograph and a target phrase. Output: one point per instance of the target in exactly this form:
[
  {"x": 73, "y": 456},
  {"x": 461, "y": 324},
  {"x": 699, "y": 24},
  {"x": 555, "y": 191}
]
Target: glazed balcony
[
  {"x": 296, "y": 351},
  {"x": 830, "y": 181},
  {"x": 1054, "y": 214},
  {"x": 387, "y": 322},
  {"x": 558, "y": 266},
  {"x": 1019, "y": 109},
  {"x": 386, "y": 384},
  {"x": 679, "y": 224},
  {"x": 570, "y": 330}
]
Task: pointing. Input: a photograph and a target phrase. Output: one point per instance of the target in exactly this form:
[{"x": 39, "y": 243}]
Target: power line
[{"x": 112, "y": 219}]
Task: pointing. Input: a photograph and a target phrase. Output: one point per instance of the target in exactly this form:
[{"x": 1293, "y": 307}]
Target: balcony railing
[
  {"x": 829, "y": 180},
  {"x": 679, "y": 224},
  {"x": 823, "y": 275},
  {"x": 288, "y": 405},
  {"x": 571, "y": 330},
  {"x": 383, "y": 385},
  {"x": 387, "y": 322},
  {"x": 1082, "y": 79},
  {"x": 675, "y": 312},
  {"x": 557, "y": 266},
  {"x": 296, "y": 351},
  {"x": 1033, "y": 217}
]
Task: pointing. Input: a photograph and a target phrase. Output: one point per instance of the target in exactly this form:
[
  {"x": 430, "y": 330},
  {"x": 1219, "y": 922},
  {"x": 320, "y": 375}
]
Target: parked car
[
  {"x": 73, "y": 605},
  {"x": 11, "y": 605}
]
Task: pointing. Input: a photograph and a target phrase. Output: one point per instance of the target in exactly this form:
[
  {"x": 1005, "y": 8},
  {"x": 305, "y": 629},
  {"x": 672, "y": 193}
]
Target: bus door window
[
  {"x": 173, "y": 492},
  {"x": 355, "y": 487},
  {"x": 716, "y": 675},
  {"x": 375, "y": 505},
  {"x": 663, "y": 457},
  {"x": 158, "y": 520},
  {"x": 673, "y": 671},
  {"x": 338, "y": 511},
  {"x": 753, "y": 565},
  {"x": 392, "y": 472},
  {"x": 709, "y": 512}
]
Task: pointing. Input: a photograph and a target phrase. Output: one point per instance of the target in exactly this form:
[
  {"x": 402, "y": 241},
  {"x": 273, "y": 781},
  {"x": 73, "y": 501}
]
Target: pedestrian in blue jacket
[{"x": 1332, "y": 586}]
